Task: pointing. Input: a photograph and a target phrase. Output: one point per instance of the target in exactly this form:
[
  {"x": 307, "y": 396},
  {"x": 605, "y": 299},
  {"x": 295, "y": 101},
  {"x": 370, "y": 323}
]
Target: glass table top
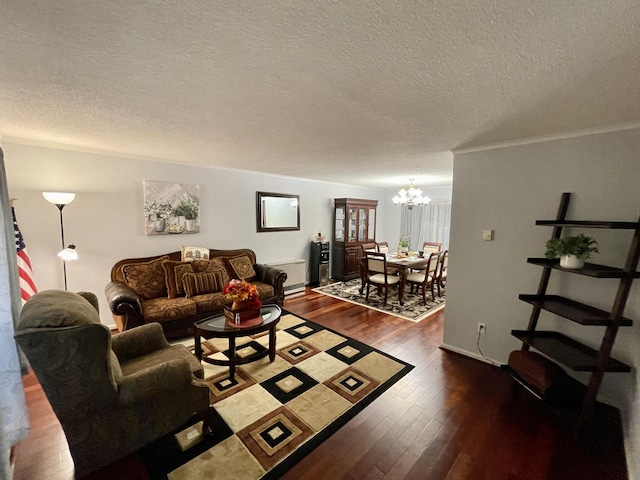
[{"x": 218, "y": 323}]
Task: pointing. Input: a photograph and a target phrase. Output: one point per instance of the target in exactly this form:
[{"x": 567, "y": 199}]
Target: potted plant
[
  {"x": 403, "y": 245},
  {"x": 158, "y": 212},
  {"x": 188, "y": 208},
  {"x": 572, "y": 251}
]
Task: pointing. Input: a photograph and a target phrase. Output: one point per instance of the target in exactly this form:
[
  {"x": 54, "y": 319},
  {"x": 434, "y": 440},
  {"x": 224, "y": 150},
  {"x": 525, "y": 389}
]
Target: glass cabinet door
[
  {"x": 371, "y": 234},
  {"x": 362, "y": 224},
  {"x": 353, "y": 218},
  {"x": 339, "y": 228}
]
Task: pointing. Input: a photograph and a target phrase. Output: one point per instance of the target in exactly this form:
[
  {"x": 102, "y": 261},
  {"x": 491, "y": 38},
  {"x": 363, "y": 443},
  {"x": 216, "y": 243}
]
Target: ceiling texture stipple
[{"x": 365, "y": 93}]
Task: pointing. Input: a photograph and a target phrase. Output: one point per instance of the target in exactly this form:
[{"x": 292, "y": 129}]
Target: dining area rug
[
  {"x": 271, "y": 415},
  {"x": 413, "y": 309}
]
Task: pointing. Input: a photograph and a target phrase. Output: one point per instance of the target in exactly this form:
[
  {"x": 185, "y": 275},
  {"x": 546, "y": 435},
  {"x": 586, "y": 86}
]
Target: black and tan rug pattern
[
  {"x": 272, "y": 414},
  {"x": 413, "y": 308}
]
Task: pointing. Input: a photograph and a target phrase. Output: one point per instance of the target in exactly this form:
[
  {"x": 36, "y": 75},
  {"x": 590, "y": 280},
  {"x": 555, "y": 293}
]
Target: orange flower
[{"x": 242, "y": 291}]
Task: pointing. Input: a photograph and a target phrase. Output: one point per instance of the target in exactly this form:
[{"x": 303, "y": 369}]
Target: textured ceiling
[{"x": 358, "y": 92}]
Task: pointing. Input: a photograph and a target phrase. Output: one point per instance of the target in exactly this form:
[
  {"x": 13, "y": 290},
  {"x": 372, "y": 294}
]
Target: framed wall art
[{"x": 171, "y": 208}]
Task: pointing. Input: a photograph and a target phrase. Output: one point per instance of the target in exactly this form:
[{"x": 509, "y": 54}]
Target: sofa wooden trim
[{"x": 126, "y": 305}]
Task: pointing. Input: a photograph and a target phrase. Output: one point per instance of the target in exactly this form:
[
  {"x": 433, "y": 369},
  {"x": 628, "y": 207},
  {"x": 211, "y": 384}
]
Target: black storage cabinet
[{"x": 319, "y": 264}]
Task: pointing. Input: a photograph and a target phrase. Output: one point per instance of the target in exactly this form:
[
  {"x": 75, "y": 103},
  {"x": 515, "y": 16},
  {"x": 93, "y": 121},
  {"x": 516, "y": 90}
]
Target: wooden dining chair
[
  {"x": 369, "y": 247},
  {"x": 441, "y": 272},
  {"x": 383, "y": 247},
  {"x": 377, "y": 274},
  {"x": 431, "y": 247},
  {"x": 425, "y": 278}
]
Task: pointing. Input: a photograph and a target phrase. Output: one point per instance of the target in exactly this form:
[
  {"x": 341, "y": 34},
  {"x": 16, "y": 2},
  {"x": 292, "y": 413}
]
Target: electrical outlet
[{"x": 482, "y": 328}]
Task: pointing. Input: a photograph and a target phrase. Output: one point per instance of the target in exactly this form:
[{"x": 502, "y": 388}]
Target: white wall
[
  {"x": 105, "y": 220},
  {"x": 508, "y": 189}
]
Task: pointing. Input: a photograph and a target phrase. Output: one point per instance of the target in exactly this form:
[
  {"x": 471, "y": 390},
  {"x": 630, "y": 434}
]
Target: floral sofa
[{"x": 177, "y": 293}]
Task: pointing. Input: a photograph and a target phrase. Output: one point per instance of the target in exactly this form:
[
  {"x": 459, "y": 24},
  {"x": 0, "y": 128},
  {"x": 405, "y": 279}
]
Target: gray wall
[
  {"x": 507, "y": 190},
  {"x": 106, "y": 220}
]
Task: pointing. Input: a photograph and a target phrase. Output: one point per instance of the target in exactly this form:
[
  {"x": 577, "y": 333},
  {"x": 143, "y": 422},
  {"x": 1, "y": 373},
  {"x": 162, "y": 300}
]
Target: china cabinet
[{"x": 354, "y": 223}]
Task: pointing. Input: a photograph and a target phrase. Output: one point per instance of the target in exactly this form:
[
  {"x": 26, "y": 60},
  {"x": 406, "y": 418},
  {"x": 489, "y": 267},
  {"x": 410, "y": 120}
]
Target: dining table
[{"x": 402, "y": 264}]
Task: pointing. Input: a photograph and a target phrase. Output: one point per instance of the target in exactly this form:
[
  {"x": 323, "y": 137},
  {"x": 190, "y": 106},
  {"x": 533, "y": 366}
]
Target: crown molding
[{"x": 548, "y": 138}]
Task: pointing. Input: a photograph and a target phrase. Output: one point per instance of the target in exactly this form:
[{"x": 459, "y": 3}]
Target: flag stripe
[{"x": 27, "y": 285}]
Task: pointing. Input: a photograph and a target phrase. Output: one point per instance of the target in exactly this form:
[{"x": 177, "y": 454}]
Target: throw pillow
[
  {"x": 241, "y": 267},
  {"x": 173, "y": 273},
  {"x": 189, "y": 254},
  {"x": 212, "y": 266},
  {"x": 200, "y": 283},
  {"x": 146, "y": 278}
]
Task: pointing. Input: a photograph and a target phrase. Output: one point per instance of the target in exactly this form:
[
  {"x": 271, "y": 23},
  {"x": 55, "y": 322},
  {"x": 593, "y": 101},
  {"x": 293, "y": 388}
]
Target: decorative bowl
[{"x": 175, "y": 228}]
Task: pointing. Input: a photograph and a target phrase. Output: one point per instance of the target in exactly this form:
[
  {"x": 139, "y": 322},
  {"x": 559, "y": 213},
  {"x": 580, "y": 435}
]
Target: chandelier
[{"x": 411, "y": 197}]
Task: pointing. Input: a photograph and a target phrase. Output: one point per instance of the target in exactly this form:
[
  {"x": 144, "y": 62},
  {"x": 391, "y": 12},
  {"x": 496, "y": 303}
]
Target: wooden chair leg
[
  {"x": 386, "y": 293},
  {"x": 424, "y": 296},
  {"x": 433, "y": 297}
]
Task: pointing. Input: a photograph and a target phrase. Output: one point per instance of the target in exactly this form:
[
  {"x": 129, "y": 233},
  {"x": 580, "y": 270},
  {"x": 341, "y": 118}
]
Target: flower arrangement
[
  {"x": 158, "y": 208},
  {"x": 243, "y": 292},
  {"x": 404, "y": 240}
]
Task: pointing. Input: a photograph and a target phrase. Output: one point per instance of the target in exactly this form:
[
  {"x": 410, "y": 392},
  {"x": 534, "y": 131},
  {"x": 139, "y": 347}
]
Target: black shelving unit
[{"x": 564, "y": 350}]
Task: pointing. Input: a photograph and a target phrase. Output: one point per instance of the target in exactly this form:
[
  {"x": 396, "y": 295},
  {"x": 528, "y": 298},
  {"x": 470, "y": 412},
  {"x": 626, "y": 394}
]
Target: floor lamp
[{"x": 60, "y": 199}]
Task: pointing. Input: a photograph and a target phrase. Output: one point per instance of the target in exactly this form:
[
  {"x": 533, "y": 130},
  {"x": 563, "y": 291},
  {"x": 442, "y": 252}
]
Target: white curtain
[
  {"x": 14, "y": 418},
  {"x": 427, "y": 223}
]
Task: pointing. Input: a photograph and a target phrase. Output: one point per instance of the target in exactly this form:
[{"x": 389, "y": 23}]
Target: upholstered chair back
[
  {"x": 112, "y": 395},
  {"x": 70, "y": 351}
]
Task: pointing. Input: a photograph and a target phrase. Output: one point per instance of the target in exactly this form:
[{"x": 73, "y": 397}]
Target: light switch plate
[{"x": 487, "y": 234}]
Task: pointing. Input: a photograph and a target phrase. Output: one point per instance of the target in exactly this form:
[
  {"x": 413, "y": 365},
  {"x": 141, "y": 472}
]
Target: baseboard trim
[{"x": 469, "y": 354}]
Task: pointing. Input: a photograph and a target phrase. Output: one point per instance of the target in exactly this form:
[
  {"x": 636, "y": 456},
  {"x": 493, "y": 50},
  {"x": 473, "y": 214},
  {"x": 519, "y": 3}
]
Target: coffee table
[{"x": 217, "y": 327}]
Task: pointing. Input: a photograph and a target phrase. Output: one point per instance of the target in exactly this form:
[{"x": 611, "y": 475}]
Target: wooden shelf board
[
  {"x": 589, "y": 270},
  {"x": 565, "y": 350},
  {"x": 589, "y": 224},
  {"x": 574, "y": 311}
]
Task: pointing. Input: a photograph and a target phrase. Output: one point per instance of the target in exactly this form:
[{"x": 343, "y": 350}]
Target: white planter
[
  {"x": 571, "y": 261},
  {"x": 190, "y": 224},
  {"x": 159, "y": 225}
]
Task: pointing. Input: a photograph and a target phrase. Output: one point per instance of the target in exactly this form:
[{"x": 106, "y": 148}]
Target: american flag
[{"x": 27, "y": 285}]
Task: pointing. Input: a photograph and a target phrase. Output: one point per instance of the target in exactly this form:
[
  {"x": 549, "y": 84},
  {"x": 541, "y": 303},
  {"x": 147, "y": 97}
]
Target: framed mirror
[{"x": 277, "y": 212}]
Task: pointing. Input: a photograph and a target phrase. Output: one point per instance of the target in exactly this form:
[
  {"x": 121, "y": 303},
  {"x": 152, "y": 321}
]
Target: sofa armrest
[
  {"x": 159, "y": 381},
  {"x": 139, "y": 341},
  {"x": 272, "y": 276},
  {"x": 125, "y": 302}
]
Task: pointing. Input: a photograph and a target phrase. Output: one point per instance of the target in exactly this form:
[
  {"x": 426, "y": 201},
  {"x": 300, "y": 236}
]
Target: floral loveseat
[{"x": 174, "y": 293}]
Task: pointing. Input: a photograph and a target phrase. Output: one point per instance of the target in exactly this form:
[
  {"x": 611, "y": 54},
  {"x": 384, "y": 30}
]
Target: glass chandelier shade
[{"x": 411, "y": 197}]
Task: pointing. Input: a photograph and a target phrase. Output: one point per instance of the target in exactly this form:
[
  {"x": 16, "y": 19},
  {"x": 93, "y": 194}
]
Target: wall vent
[{"x": 296, "y": 274}]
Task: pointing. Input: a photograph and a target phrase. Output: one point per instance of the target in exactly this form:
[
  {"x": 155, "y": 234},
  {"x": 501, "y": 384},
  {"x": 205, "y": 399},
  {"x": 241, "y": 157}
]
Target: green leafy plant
[
  {"x": 579, "y": 245},
  {"x": 187, "y": 208},
  {"x": 404, "y": 240}
]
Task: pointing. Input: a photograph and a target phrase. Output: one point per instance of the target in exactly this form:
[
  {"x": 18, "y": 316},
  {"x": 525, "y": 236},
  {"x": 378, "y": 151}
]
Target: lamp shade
[
  {"x": 69, "y": 253},
  {"x": 59, "y": 198}
]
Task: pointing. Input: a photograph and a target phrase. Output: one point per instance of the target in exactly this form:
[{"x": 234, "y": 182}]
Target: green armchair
[{"x": 112, "y": 395}]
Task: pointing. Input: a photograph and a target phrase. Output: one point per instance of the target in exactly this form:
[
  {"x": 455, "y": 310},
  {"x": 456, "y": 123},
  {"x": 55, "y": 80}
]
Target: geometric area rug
[
  {"x": 273, "y": 414},
  {"x": 413, "y": 307}
]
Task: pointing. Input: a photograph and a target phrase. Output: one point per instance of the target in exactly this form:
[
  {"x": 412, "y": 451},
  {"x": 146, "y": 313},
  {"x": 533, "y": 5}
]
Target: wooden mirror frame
[{"x": 264, "y": 200}]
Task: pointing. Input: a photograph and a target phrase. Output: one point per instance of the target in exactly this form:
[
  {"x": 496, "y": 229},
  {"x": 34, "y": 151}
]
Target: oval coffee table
[{"x": 217, "y": 327}]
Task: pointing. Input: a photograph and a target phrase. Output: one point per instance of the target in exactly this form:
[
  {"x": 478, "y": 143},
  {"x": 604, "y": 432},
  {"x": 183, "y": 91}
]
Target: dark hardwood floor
[{"x": 451, "y": 417}]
